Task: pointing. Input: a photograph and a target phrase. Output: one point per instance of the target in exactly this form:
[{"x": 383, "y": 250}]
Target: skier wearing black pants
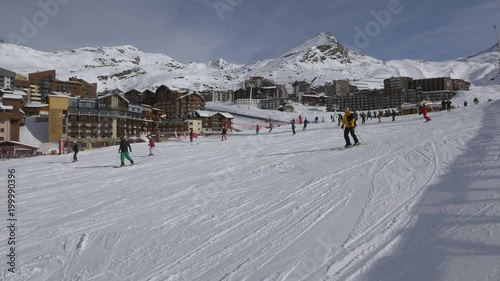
[
  {"x": 75, "y": 150},
  {"x": 349, "y": 123}
]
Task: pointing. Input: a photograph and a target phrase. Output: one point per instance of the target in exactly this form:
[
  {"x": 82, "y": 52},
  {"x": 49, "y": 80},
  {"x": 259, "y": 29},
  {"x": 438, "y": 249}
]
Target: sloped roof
[
  {"x": 204, "y": 113},
  {"x": 181, "y": 97},
  {"x": 17, "y": 143},
  {"x": 120, "y": 95}
]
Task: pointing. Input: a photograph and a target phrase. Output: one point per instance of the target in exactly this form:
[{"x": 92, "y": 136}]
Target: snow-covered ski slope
[{"x": 420, "y": 201}]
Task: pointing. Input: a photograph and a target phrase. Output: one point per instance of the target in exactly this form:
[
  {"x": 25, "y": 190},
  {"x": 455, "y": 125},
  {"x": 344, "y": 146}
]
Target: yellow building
[{"x": 58, "y": 117}]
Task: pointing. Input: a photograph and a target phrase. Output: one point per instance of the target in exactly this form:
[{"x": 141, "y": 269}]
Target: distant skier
[
  {"x": 151, "y": 145},
  {"x": 316, "y": 120},
  {"x": 323, "y": 119},
  {"x": 271, "y": 126},
  {"x": 293, "y": 126},
  {"x": 363, "y": 117},
  {"x": 349, "y": 124},
  {"x": 448, "y": 105},
  {"x": 193, "y": 136},
  {"x": 393, "y": 115},
  {"x": 379, "y": 116},
  {"x": 305, "y": 124},
  {"x": 76, "y": 148},
  {"x": 257, "y": 129},
  {"x": 465, "y": 103},
  {"x": 424, "y": 112},
  {"x": 224, "y": 131},
  {"x": 476, "y": 101},
  {"x": 340, "y": 118},
  {"x": 369, "y": 115},
  {"x": 123, "y": 151}
]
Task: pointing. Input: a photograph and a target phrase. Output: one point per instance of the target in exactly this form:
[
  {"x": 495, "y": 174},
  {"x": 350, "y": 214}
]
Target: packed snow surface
[{"x": 416, "y": 201}]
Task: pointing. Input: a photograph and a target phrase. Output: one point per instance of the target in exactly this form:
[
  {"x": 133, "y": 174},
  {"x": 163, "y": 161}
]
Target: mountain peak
[
  {"x": 320, "y": 48},
  {"x": 220, "y": 63}
]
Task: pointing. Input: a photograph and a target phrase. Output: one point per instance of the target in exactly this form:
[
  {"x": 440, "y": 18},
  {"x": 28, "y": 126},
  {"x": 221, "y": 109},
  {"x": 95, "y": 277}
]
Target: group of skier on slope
[{"x": 346, "y": 121}]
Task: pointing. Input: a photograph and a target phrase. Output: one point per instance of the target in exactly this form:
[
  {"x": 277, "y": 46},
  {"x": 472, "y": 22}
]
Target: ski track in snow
[{"x": 250, "y": 208}]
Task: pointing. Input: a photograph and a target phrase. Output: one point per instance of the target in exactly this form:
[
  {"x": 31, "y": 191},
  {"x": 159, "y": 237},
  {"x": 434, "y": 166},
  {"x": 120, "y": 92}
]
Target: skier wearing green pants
[{"x": 123, "y": 150}]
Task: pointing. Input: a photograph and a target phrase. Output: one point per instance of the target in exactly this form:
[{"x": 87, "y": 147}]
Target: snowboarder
[
  {"x": 379, "y": 116},
  {"x": 349, "y": 124},
  {"x": 151, "y": 145},
  {"x": 424, "y": 112},
  {"x": 293, "y": 126},
  {"x": 76, "y": 148},
  {"x": 305, "y": 124},
  {"x": 123, "y": 151},
  {"x": 224, "y": 131}
]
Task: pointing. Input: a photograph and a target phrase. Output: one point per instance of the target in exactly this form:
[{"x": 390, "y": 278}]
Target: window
[{"x": 2, "y": 130}]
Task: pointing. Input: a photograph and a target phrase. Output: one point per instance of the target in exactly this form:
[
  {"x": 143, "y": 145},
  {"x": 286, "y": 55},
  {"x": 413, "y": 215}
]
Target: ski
[{"x": 135, "y": 163}]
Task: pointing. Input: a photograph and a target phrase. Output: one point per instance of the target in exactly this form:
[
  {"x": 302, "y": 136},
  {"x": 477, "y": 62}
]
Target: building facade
[{"x": 7, "y": 79}]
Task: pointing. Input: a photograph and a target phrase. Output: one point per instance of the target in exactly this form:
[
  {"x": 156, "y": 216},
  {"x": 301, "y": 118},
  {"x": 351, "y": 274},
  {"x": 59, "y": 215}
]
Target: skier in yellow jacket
[{"x": 349, "y": 123}]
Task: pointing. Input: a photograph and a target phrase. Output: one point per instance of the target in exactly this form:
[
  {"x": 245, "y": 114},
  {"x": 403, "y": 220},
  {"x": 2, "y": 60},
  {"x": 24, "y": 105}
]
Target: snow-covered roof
[
  {"x": 36, "y": 105},
  {"x": 18, "y": 143},
  {"x": 227, "y": 115},
  {"x": 59, "y": 94},
  {"x": 181, "y": 97},
  {"x": 205, "y": 113},
  {"x": 12, "y": 97},
  {"x": 6, "y": 107},
  {"x": 16, "y": 92},
  {"x": 268, "y": 87},
  {"x": 114, "y": 94},
  {"x": 19, "y": 92}
]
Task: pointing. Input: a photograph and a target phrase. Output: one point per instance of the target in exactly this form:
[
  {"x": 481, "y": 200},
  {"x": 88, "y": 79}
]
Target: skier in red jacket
[
  {"x": 424, "y": 112},
  {"x": 151, "y": 145}
]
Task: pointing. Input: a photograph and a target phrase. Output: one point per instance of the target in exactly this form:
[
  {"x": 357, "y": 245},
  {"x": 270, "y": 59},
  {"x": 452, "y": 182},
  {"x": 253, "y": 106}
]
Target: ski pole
[
  {"x": 156, "y": 150},
  {"x": 359, "y": 137}
]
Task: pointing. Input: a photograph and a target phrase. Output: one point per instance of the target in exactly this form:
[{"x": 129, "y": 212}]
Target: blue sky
[{"x": 241, "y": 31}]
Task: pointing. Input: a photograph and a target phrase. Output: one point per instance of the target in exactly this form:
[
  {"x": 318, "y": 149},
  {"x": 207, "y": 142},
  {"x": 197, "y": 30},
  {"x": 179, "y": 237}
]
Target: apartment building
[
  {"x": 380, "y": 99},
  {"x": 76, "y": 87},
  {"x": 431, "y": 84},
  {"x": 11, "y": 116},
  {"x": 336, "y": 88},
  {"x": 397, "y": 84},
  {"x": 300, "y": 88},
  {"x": 187, "y": 104},
  {"x": 7, "y": 79},
  {"x": 165, "y": 99}
]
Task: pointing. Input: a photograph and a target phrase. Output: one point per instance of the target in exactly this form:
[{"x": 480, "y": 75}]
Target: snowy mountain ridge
[{"x": 322, "y": 58}]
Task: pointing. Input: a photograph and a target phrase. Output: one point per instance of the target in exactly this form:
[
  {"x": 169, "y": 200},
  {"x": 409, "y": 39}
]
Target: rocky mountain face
[{"x": 320, "y": 59}]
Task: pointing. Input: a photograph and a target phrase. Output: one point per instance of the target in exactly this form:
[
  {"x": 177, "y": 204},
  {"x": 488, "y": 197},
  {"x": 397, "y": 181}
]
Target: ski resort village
[{"x": 315, "y": 162}]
